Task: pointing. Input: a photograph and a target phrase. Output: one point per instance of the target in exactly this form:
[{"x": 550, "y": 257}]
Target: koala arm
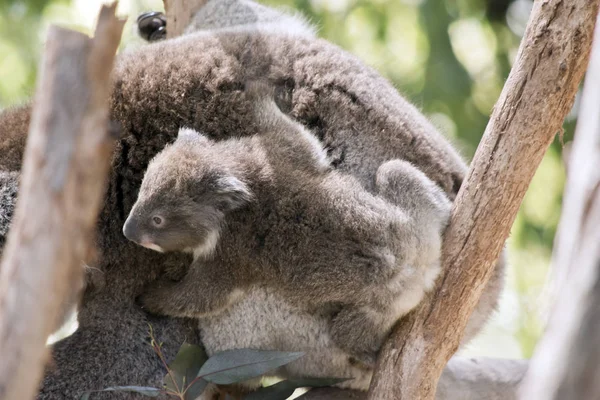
[
  {"x": 206, "y": 289},
  {"x": 286, "y": 140}
]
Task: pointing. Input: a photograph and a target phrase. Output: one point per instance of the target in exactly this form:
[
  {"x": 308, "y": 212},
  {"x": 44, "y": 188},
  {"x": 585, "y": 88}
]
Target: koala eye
[{"x": 157, "y": 221}]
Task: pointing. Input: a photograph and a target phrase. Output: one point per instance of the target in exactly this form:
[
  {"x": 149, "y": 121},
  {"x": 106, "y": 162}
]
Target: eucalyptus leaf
[
  {"x": 283, "y": 390},
  {"x": 278, "y": 391},
  {"x": 195, "y": 390},
  {"x": 185, "y": 367},
  {"x": 234, "y": 366}
]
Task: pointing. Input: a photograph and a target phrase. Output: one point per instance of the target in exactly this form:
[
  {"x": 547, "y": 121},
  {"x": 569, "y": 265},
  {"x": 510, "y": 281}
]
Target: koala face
[
  {"x": 164, "y": 222},
  {"x": 184, "y": 198}
]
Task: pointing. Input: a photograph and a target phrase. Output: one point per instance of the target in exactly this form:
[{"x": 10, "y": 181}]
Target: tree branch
[
  {"x": 462, "y": 379},
  {"x": 537, "y": 96},
  {"x": 179, "y": 14},
  {"x": 566, "y": 364},
  {"x": 66, "y": 162}
]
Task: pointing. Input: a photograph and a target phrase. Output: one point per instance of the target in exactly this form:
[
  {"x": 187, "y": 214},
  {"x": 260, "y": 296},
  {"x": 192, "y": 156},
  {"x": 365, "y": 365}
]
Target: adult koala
[{"x": 197, "y": 80}]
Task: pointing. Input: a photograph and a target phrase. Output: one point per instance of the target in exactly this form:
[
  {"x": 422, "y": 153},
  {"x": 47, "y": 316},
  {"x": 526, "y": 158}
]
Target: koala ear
[
  {"x": 189, "y": 135},
  {"x": 232, "y": 193}
]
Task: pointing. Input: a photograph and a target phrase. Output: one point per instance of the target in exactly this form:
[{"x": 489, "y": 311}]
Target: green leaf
[
  {"x": 279, "y": 391},
  {"x": 283, "y": 390},
  {"x": 85, "y": 396},
  {"x": 240, "y": 365},
  {"x": 195, "y": 390},
  {"x": 186, "y": 365}
]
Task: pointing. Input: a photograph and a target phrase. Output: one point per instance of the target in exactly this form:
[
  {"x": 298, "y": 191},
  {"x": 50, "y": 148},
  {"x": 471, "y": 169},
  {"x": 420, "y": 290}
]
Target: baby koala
[{"x": 269, "y": 210}]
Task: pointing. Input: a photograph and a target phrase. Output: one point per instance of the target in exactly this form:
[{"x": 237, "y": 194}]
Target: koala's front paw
[
  {"x": 160, "y": 298},
  {"x": 152, "y": 26}
]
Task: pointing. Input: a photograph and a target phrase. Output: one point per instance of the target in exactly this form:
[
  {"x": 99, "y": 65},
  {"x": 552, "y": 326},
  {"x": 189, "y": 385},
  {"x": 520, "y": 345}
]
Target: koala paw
[
  {"x": 364, "y": 360},
  {"x": 358, "y": 334},
  {"x": 152, "y": 26},
  {"x": 356, "y": 363},
  {"x": 159, "y": 298}
]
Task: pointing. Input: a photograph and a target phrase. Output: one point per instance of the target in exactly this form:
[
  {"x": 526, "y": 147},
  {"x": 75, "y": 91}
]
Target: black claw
[{"x": 152, "y": 26}]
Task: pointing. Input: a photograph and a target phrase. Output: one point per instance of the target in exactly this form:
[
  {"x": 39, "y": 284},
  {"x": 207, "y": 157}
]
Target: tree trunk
[
  {"x": 566, "y": 364},
  {"x": 537, "y": 96},
  {"x": 66, "y": 162},
  {"x": 179, "y": 14}
]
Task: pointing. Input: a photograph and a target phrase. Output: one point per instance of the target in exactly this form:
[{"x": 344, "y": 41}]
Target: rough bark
[
  {"x": 566, "y": 364},
  {"x": 65, "y": 165},
  {"x": 179, "y": 14},
  {"x": 537, "y": 96},
  {"x": 462, "y": 379}
]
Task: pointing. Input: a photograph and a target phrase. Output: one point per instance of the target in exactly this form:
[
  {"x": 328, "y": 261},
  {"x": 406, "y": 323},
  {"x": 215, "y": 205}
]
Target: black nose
[{"x": 130, "y": 230}]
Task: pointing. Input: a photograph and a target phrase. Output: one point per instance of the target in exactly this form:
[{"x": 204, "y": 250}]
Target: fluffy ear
[
  {"x": 189, "y": 135},
  {"x": 232, "y": 193}
]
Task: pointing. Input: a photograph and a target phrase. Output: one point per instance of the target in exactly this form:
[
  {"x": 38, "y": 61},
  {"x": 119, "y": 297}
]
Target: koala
[
  {"x": 269, "y": 210},
  {"x": 197, "y": 81}
]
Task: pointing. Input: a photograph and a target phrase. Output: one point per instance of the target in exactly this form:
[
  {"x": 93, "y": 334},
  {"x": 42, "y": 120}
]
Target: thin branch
[
  {"x": 566, "y": 364},
  {"x": 66, "y": 162},
  {"x": 179, "y": 14},
  {"x": 537, "y": 96}
]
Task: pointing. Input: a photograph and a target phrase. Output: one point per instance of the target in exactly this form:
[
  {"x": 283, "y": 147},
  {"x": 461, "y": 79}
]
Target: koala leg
[
  {"x": 360, "y": 331},
  {"x": 205, "y": 290},
  {"x": 407, "y": 187},
  {"x": 427, "y": 207}
]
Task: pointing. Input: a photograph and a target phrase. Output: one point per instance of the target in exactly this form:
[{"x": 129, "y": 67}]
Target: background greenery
[{"x": 449, "y": 57}]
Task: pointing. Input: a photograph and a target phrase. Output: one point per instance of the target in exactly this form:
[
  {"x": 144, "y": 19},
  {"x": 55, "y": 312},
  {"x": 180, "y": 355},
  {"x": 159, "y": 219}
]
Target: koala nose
[{"x": 130, "y": 230}]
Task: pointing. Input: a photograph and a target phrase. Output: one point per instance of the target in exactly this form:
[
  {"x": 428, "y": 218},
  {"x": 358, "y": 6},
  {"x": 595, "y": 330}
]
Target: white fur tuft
[
  {"x": 228, "y": 184},
  {"x": 207, "y": 248},
  {"x": 190, "y": 135},
  {"x": 152, "y": 246}
]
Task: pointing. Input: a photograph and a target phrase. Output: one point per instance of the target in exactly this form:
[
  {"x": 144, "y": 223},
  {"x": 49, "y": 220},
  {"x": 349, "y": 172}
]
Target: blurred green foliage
[{"x": 449, "y": 57}]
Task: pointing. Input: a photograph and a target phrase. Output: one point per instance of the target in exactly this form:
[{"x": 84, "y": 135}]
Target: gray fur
[
  {"x": 9, "y": 185},
  {"x": 263, "y": 319},
  {"x": 249, "y": 16},
  {"x": 195, "y": 81},
  {"x": 286, "y": 220}
]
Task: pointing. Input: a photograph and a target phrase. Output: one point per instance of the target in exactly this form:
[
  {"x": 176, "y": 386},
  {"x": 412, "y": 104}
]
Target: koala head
[{"x": 184, "y": 198}]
